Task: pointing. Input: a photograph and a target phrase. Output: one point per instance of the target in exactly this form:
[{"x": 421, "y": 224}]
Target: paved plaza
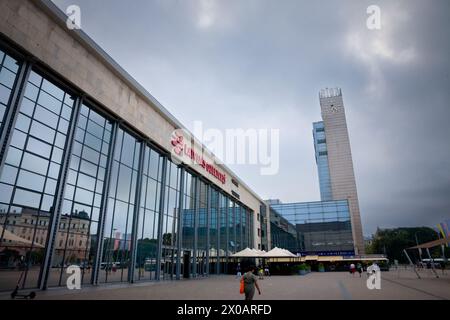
[{"x": 323, "y": 286}]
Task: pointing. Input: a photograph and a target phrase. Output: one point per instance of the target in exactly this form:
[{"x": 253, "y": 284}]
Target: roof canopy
[
  {"x": 247, "y": 253},
  {"x": 278, "y": 253}
]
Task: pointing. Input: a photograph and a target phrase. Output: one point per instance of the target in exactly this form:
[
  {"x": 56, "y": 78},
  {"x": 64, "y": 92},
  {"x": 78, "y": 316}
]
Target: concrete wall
[{"x": 34, "y": 28}]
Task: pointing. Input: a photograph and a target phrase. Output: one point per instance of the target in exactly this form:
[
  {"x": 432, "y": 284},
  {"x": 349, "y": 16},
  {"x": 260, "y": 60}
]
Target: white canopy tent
[
  {"x": 278, "y": 253},
  {"x": 246, "y": 253},
  {"x": 254, "y": 253}
]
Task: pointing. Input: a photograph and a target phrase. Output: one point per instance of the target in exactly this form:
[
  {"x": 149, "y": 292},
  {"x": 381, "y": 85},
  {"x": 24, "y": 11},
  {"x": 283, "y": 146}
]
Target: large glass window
[
  {"x": 238, "y": 226},
  {"x": 251, "y": 240},
  {"x": 224, "y": 225},
  {"x": 77, "y": 239},
  {"x": 116, "y": 254},
  {"x": 320, "y": 226},
  {"x": 244, "y": 221},
  {"x": 188, "y": 215},
  {"x": 232, "y": 242},
  {"x": 202, "y": 228},
  {"x": 147, "y": 243},
  {"x": 170, "y": 222},
  {"x": 213, "y": 234},
  {"x": 29, "y": 180}
]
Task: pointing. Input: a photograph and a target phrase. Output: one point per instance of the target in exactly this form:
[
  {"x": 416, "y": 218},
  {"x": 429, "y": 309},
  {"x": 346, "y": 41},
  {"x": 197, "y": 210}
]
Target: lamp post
[
  {"x": 111, "y": 250},
  {"x": 417, "y": 244}
]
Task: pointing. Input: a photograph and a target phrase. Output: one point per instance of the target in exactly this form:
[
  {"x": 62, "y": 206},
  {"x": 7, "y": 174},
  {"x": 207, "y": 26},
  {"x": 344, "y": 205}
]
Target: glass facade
[
  {"x": 312, "y": 227},
  {"x": 320, "y": 147},
  {"x": 30, "y": 177},
  {"x": 77, "y": 187}
]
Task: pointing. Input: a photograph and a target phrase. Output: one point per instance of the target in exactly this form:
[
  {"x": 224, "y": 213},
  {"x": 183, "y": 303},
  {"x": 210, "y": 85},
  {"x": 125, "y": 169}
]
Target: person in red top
[{"x": 352, "y": 269}]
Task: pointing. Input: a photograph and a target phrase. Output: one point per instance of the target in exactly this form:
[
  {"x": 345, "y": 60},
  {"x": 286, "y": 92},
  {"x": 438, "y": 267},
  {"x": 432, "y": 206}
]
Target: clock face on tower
[{"x": 334, "y": 109}]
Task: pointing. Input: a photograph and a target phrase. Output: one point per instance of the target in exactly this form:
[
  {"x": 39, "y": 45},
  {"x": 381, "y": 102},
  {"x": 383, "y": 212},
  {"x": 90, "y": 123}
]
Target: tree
[{"x": 392, "y": 242}]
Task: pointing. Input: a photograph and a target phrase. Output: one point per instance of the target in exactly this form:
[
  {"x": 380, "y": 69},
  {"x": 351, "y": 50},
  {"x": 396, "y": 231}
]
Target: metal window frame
[
  {"x": 161, "y": 216},
  {"x": 218, "y": 232},
  {"x": 227, "y": 231},
  {"x": 208, "y": 214}
]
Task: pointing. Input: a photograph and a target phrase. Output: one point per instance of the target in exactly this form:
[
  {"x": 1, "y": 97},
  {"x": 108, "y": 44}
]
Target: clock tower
[{"x": 341, "y": 182}]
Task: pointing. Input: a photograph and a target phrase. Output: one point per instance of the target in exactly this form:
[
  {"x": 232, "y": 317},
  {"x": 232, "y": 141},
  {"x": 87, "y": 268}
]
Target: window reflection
[
  {"x": 170, "y": 222},
  {"x": 77, "y": 238},
  {"x": 147, "y": 243},
  {"x": 317, "y": 226},
  {"x": 202, "y": 229},
  {"x": 213, "y": 233},
  {"x": 29, "y": 178},
  {"x": 117, "y": 237}
]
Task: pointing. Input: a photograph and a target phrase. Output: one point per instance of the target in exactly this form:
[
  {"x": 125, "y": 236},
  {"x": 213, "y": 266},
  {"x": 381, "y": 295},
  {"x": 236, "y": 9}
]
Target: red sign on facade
[{"x": 180, "y": 147}]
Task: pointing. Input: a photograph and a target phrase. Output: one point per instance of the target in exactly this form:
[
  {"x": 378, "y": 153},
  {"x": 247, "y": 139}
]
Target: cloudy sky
[{"x": 261, "y": 63}]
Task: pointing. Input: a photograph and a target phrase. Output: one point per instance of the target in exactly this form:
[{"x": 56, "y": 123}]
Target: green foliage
[
  {"x": 302, "y": 267},
  {"x": 392, "y": 242}
]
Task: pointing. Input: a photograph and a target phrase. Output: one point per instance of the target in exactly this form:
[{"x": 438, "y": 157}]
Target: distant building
[
  {"x": 28, "y": 228},
  {"x": 333, "y": 225},
  {"x": 273, "y": 201},
  {"x": 313, "y": 228}
]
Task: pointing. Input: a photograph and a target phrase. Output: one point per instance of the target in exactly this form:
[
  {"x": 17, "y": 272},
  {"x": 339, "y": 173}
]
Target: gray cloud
[{"x": 254, "y": 64}]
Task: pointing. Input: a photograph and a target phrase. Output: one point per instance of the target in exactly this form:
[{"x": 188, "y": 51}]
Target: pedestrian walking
[
  {"x": 360, "y": 269},
  {"x": 250, "y": 283},
  {"x": 266, "y": 271},
  {"x": 261, "y": 273},
  {"x": 352, "y": 269},
  {"x": 238, "y": 270}
]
